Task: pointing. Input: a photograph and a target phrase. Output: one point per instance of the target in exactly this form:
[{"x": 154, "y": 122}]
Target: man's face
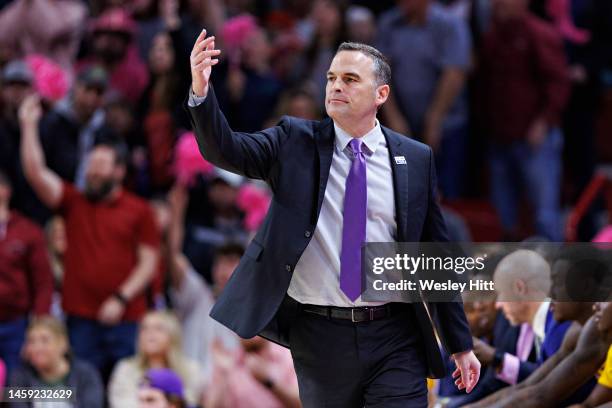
[
  {"x": 517, "y": 312},
  {"x": 152, "y": 398},
  {"x": 351, "y": 91},
  {"x": 481, "y": 316},
  {"x": 13, "y": 93},
  {"x": 103, "y": 173},
  {"x": 110, "y": 46},
  {"x": 87, "y": 99},
  {"x": 603, "y": 315}
]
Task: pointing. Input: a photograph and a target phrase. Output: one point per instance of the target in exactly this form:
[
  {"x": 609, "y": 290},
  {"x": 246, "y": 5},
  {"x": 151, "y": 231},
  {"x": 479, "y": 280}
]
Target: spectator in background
[
  {"x": 360, "y": 25},
  {"x": 49, "y": 364},
  {"x": 523, "y": 281},
  {"x": 493, "y": 337},
  {"x": 47, "y": 27},
  {"x": 158, "y": 110},
  {"x": 159, "y": 346},
  {"x": 110, "y": 232},
  {"x": 247, "y": 87},
  {"x": 26, "y": 283},
  {"x": 524, "y": 87},
  {"x": 112, "y": 47},
  {"x": 55, "y": 232},
  {"x": 193, "y": 300},
  {"x": 207, "y": 216},
  {"x": 328, "y": 18},
  {"x": 75, "y": 125},
  {"x": 17, "y": 82},
  {"x": 162, "y": 388},
  {"x": 260, "y": 374},
  {"x": 429, "y": 101},
  {"x": 299, "y": 102}
]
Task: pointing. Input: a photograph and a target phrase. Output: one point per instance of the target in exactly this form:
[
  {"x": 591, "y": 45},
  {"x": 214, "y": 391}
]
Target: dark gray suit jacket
[{"x": 294, "y": 158}]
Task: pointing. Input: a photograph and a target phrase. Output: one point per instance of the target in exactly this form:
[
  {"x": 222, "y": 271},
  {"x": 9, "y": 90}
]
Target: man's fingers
[
  {"x": 206, "y": 63},
  {"x": 201, "y": 36},
  {"x": 202, "y": 45},
  {"x": 203, "y": 55}
]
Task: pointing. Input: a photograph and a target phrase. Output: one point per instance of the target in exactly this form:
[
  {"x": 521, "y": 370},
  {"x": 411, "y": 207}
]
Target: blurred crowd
[{"x": 116, "y": 236}]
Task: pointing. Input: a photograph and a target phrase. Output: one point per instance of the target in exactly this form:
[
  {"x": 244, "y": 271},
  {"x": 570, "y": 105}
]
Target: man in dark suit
[{"x": 299, "y": 281}]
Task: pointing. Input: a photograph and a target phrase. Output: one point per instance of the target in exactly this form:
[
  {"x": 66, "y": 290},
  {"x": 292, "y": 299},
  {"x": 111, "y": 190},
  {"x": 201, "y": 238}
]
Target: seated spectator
[
  {"x": 162, "y": 388},
  {"x": 493, "y": 337},
  {"x": 193, "y": 300},
  {"x": 260, "y": 374},
  {"x": 49, "y": 364},
  {"x": 569, "y": 375},
  {"x": 55, "y": 232},
  {"x": 522, "y": 281},
  {"x": 26, "y": 283},
  {"x": 110, "y": 233},
  {"x": 159, "y": 345}
]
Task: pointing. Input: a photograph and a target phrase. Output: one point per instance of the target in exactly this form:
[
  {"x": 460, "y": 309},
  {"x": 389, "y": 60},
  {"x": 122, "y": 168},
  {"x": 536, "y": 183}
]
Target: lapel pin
[{"x": 400, "y": 160}]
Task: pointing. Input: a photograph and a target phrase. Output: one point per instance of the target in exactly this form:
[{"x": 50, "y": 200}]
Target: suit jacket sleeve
[
  {"x": 449, "y": 317},
  {"x": 253, "y": 155}
]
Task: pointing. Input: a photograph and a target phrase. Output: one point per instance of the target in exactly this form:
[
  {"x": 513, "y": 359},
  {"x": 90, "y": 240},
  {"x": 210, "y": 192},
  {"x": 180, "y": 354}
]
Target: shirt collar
[
  {"x": 539, "y": 319},
  {"x": 371, "y": 139}
]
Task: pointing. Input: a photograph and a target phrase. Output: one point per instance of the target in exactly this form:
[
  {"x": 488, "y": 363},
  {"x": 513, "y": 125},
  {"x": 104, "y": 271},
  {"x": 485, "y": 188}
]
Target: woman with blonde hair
[
  {"x": 159, "y": 346},
  {"x": 47, "y": 363}
]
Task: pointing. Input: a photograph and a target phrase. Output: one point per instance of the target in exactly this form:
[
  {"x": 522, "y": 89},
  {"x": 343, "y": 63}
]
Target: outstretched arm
[
  {"x": 253, "y": 155},
  {"x": 46, "y": 184}
]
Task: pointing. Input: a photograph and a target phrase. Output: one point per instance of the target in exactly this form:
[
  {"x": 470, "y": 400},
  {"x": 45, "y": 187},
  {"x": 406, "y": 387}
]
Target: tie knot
[{"x": 356, "y": 146}]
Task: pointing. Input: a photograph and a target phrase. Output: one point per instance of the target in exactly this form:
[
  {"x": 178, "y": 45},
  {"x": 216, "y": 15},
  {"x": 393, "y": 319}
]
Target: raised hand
[
  {"x": 202, "y": 59},
  {"x": 30, "y": 111}
]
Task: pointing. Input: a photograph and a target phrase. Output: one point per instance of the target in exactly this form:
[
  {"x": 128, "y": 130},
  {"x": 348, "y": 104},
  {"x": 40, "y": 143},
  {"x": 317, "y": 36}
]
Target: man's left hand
[
  {"x": 467, "y": 372},
  {"x": 111, "y": 311}
]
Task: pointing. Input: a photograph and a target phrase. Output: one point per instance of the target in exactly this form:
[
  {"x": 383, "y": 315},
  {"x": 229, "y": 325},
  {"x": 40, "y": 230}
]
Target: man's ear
[{"x": 382, "y": 93}]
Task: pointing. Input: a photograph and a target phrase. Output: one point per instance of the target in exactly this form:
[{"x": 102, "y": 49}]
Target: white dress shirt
[{"x": 316, "y": 278}]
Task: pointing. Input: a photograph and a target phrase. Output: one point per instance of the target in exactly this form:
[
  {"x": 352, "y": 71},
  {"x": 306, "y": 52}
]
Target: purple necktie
[{"x": 354, "y": 224}]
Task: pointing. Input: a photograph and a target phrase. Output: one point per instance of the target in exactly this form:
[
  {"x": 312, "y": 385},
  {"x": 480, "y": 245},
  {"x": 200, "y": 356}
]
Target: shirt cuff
[
  {"x": 195, "y": 100},
  {"x": 510, "y": 369}
]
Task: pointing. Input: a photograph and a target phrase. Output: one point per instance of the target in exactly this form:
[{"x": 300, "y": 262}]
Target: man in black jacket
[{"x": 298, "y": 283}]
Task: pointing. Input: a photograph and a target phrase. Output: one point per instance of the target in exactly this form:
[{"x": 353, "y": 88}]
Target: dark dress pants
[{"x": 342, "y": 364}]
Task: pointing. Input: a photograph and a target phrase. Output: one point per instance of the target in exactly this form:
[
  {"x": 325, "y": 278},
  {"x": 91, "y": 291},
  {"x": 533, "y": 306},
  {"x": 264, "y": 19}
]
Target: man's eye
[{"x": 350, "y": 80}]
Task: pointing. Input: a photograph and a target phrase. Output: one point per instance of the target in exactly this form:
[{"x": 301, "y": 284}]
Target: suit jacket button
[
  {"x": 307, "y": 234},
  {"x": 288, "y": 268}
]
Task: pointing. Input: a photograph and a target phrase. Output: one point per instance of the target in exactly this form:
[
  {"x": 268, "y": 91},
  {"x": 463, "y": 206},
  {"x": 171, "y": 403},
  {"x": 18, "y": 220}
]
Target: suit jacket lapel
[
  {"x": 400, "y": 182},
  {"x": 324, "y": 138}
]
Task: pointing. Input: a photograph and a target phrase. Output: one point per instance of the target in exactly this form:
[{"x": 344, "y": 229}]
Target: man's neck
[{"x": 357, "y": 129}]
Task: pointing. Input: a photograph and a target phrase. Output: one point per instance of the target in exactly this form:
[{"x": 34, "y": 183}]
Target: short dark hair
[
  {"x": 119, "y": 148},
  {"x": 382, "y": 70}
]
